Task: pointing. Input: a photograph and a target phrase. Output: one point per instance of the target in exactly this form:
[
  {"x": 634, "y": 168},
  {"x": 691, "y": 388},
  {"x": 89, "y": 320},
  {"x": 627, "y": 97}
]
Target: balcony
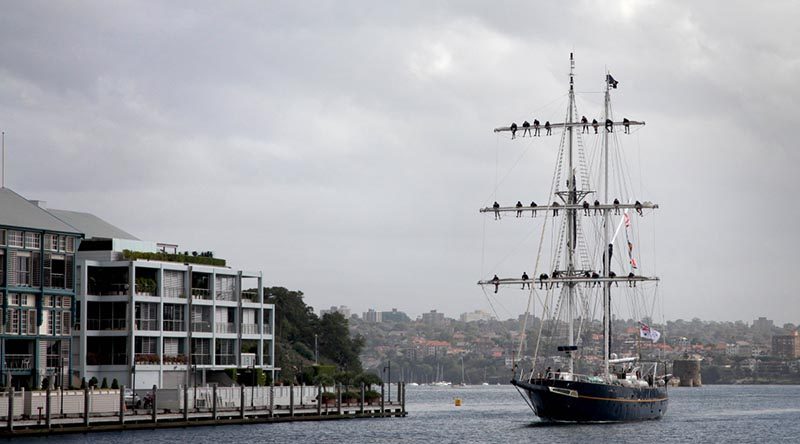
[
  {"x": 200, "y": 359},
  {"x": 173, "y": 325},
  {"x": 226, "y": 359},
  {"x": 175, "y": 293},
  {"x": 201, "y": 293},
  {"x": 146, "y": 359},
  {"x": 226, "y": 296},
  {"x": 226, "y": 327},
  {"x": 56, "y": 361},
  {"x": 249, "y": 296},
  {"x": 147, "y": 324},
  {"x": 58, "y": 280},
  {"x": 108, "y": 289},
  {"x": 175, "y": 359},
  {"x": 250, "y": 329},
  {"x": 201, "y": 326},
  {"x": 114, "y": 324},
  {"x": 19, "y": 362}
]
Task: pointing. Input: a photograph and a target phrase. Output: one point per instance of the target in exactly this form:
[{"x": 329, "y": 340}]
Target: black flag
[{"x": 611, "y": 81}]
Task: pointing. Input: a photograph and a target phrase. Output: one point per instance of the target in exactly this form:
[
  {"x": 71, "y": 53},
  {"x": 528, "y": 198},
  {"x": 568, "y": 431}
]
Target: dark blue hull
[{"x": 572, "y": 401}]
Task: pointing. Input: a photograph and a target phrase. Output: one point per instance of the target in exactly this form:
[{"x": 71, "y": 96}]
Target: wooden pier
[{"x": 47, "y": 421}]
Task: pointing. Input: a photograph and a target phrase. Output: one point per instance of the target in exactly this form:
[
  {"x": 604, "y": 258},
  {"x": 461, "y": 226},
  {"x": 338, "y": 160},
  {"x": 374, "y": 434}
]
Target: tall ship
[{"x": 588, "y": 260}]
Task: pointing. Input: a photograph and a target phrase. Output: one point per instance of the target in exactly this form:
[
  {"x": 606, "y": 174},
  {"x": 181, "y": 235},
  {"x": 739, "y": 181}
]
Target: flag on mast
[{"x": 649, "y": 333}]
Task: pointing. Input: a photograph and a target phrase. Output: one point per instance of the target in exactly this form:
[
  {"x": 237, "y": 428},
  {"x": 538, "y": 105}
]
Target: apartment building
[
  {"x": 148, "y": 315},
  {"x": 82, "y": 298},
  {"x": 37, "y": 280}
]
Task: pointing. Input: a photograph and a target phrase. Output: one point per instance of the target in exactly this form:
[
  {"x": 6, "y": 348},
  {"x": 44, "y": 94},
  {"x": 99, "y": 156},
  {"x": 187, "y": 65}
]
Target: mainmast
[
  {"x": 606, "y": 249},
  {"x": 570, "y": 216}
]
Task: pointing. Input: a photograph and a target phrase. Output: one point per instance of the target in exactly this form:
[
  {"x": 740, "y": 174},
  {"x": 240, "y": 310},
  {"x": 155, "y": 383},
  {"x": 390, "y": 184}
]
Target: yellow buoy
[{"x": 458, "y": 402}]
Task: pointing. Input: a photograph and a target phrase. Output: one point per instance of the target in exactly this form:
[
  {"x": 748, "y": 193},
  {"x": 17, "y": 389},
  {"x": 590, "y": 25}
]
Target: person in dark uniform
[
  {"x": 585, "y": 208},
  {"x": 585, "y": 122},
  {"x": 525, "y": 281},
  {"x": 555, "y": 209},
  {"x": 519, "y": 209},
  {"x": 496, "y": 207},
  {"x": 526, "y": 128},
  {"x": 513, "y": 130},
  {"x": 595, "y": 125},
  {"x": 627, "y": 124},
  {"x": 631, "y": 283},
  {"x": 533, "y": 212},
  {"x": 611, "y": 274},
  {"x": 638, "y": 206},
  {"x": 596, "y": 206},
  {"x": 496, "y": 282},
  {"x": 609, "y": 126},
  {"x": 616, "y": 206},
  {"x": 542, "y": 280},
  {"x": 595, "y": 275},
  {"x": 536, "y": 127},
  {"x": 547, "y": 128}
]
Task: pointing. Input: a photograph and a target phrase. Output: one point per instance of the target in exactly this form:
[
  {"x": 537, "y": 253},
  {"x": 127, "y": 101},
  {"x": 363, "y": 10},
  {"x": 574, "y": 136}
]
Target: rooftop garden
[{"x": 202, "y": 258}]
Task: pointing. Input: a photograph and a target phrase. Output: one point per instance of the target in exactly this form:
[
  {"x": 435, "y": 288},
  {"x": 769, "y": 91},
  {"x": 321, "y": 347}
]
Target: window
[
  {"x": 33, "y": 240},
  {"x": 14, "y": 322},
  {"x": 22, "y": 268},
  {"x": 146, "y": 345},
  {"x": 51, "y": 315},
  {"x": 62, "y": 243},
  {"x": 2, "y": 237},
  {"x": 57, "y": 323},
  {"x": 51, "y": 242},
  {"x": 48, "y": 301},
  {"x": 23, "y": 321},
  {"x": 66, "y": 323},
  {"x": 31, "y": 322},
  {"x": 15, "y": 239},
  {"x": 172, "y": 346},
  {"x": 70, "y": 245}
]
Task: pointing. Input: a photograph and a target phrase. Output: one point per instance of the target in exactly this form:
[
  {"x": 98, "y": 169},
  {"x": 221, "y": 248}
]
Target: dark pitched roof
[
  {"x": 92, "y": 226},
  {"x": 18, "y": 212}
]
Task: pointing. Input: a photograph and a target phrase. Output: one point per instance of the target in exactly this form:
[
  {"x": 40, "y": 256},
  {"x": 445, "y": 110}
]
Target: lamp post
[
  {"x": 316, "y": 350},
  {"x": 389, "y": 379}
]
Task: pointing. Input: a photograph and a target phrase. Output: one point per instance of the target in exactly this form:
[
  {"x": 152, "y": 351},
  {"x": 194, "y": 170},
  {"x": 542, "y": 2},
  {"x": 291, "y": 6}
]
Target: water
[{"x": 498, "y": 414}]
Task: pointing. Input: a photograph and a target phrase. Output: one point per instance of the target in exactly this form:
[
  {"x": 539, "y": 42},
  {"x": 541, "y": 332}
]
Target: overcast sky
[{"x": 343, "y": 148}]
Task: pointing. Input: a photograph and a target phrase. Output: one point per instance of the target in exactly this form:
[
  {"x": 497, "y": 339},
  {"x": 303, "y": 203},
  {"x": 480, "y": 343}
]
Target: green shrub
[
  {"x": 104, "y": 385},
  {"x": 115, "y": 384},
  {"x": 351, "y": 396},
  {"x": 328, "y": 397},
  {"x": 93, "y": 382},
  {"x": 168, "y": 257},
  {"x": 371, "y": 395}
]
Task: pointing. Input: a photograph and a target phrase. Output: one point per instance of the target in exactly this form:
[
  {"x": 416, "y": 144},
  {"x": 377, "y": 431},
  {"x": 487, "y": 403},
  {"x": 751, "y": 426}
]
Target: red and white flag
[
  {"x": 649, "y": 333},
  {"x": 627, "y": 220}
]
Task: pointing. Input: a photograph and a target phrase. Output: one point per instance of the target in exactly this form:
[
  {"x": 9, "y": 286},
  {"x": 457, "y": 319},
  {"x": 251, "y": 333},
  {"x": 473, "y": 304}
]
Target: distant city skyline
[{"x": 345, "y": 148}]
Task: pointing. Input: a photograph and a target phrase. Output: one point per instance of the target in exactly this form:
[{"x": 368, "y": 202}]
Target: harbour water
[{"x": 498, "y": 414}]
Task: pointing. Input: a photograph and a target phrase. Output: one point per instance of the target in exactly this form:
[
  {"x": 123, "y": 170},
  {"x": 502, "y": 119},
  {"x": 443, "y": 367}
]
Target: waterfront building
[
  {"x": 372, "y": 316},
  {"x": 37, "y": 280},
  {"x": 786, "y": 346},
  {"x": 148, "y": 315}
]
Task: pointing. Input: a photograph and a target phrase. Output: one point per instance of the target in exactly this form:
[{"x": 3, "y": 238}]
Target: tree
[{"x": 336, "y": 344}]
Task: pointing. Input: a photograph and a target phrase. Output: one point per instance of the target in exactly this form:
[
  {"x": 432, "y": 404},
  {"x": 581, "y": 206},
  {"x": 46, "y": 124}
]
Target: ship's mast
[
  {"x": 606, "y": 252},
  {"x": 570, "y": 214}
]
